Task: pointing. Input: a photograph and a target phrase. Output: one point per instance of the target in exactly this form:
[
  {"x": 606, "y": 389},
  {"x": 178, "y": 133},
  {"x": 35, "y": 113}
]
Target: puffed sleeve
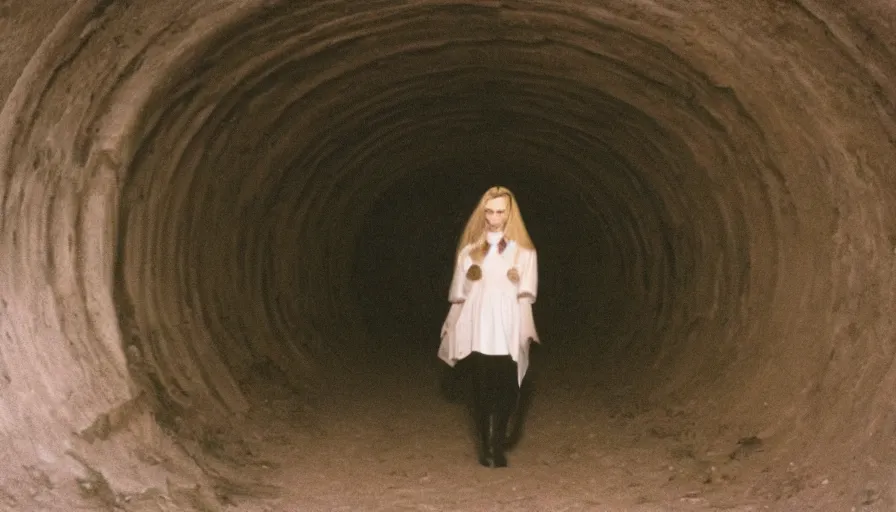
[
  {"x": 458, "y": 291},
  {"x": 528, "y": 289}
]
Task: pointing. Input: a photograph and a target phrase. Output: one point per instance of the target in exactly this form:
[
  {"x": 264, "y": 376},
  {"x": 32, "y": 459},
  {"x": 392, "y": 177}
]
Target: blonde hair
[{"x": 475, "y": 230}]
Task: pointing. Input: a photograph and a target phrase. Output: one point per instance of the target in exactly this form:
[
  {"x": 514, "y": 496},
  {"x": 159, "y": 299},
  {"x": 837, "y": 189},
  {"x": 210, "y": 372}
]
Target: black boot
[
  {"x": 483, "y": 427},
  {"x": 505, "y": 405},
  {"x": 499, "y": 439}
]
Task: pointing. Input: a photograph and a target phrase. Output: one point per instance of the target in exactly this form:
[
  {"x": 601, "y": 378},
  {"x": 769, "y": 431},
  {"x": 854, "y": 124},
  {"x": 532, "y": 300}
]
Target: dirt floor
[{"x": 388, "y": 440}]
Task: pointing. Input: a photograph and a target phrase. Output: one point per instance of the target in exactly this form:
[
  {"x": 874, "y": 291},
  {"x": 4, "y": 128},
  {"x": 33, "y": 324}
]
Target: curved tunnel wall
[{"x": 185, "y": 187}]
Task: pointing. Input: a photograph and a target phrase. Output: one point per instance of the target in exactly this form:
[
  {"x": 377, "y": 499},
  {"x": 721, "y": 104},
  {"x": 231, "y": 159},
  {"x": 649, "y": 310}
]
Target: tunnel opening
[
  {"x": 405, "y": 250},
  {"x": 237, "y": 223}
]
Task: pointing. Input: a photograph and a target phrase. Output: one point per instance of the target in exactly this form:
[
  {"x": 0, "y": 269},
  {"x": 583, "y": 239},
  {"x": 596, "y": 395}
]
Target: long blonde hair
[{"x": 475, "y": 230}]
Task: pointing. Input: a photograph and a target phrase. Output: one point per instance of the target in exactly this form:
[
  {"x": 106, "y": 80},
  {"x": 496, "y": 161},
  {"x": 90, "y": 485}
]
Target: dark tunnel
[{"x": 226, "y": 220}]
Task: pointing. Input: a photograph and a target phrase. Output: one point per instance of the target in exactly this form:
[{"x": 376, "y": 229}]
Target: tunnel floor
[{"x": 384, "y": 437}]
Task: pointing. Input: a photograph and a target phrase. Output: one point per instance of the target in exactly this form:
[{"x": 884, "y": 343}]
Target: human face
[{"x": 496, "y": 213}]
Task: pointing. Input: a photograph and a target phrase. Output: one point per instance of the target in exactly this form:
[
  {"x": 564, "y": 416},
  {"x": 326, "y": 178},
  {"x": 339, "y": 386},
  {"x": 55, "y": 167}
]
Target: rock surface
[{"x": 200, "y": 201}]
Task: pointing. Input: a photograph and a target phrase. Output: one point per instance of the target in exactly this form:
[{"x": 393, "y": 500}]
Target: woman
[{"x": 490, "y": 323}]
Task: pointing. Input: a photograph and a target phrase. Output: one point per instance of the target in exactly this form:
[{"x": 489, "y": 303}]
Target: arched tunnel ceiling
[{"x": 200, "y": 199}]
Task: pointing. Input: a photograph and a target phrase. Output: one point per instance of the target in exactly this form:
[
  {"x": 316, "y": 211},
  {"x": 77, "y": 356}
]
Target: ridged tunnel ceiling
[{"x": 201, "y": 197}]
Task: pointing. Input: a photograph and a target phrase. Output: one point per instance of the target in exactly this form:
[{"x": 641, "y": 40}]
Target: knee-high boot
[
  {"x": 506, "y": 404},
  {"x": 482, "y": 418}
]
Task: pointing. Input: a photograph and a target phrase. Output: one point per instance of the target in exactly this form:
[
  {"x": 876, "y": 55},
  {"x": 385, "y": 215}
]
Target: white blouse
[{"x": 493, "y": 314}]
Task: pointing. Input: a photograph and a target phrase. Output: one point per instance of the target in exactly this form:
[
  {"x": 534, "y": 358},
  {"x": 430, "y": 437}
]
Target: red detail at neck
[{"x": 502, "y": 244}]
